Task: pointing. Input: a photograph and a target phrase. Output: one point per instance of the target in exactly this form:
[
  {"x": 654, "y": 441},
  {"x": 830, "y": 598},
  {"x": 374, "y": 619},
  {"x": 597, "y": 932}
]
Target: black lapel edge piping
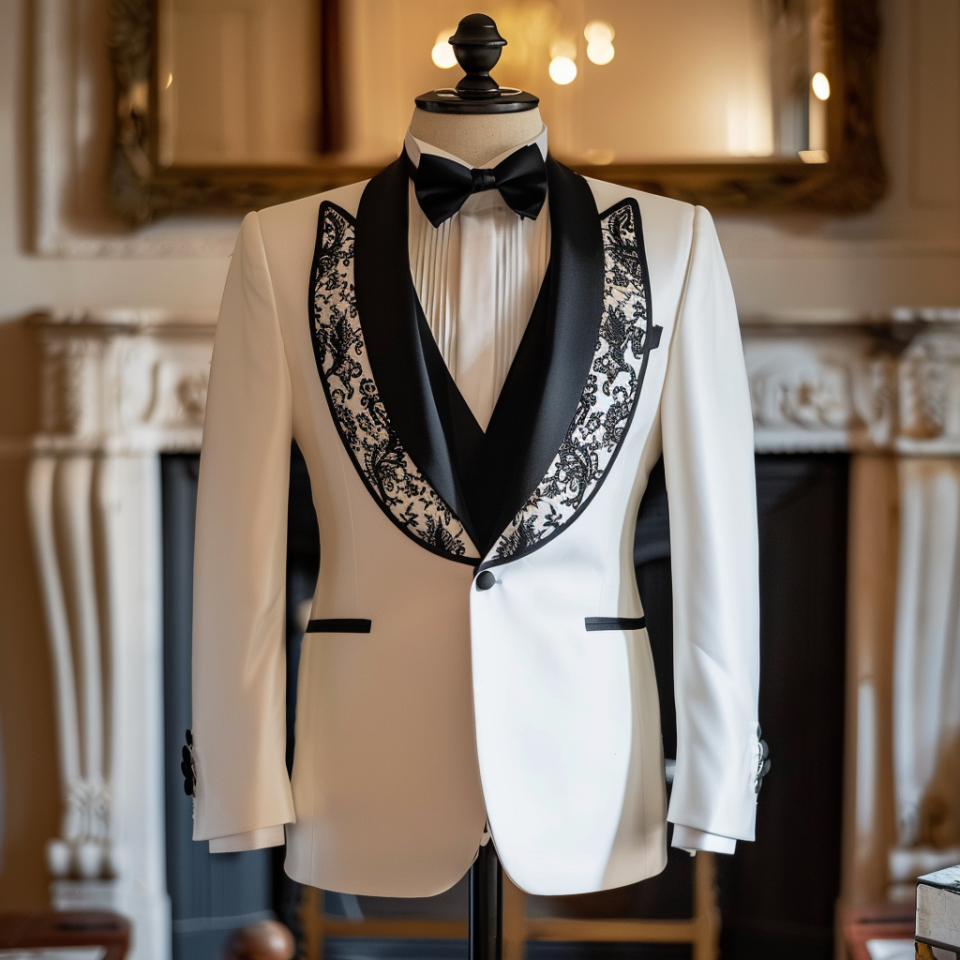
[
  {"x": 647, "y": 346},
  {"x": 341, "y": 625},
  {"x": 596, "y": 624},
  {"x": 311, "y": 314}
]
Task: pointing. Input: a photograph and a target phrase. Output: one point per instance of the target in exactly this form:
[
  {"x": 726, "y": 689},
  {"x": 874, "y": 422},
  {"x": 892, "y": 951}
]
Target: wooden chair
[{"x": 702, "y": 930}]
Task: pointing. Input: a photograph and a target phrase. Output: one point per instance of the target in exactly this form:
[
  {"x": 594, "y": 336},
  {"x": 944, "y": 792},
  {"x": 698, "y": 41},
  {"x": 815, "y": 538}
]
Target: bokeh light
[
  {"x": 600, "y": 52},
  {"x": 821, "y": 86},
  {"x": 442, "y": 53},
  {"x": 563, "y": 70},
  {"x": 598, "y": 31}
]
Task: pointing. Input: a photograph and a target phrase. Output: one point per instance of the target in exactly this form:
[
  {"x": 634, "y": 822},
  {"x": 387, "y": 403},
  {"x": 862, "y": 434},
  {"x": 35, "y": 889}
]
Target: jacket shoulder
[
  {"x": 295, "y": 212},
  {"x": 608, "y": 195},
  {"x": 292, "y": 226},
  {"x": 667, "y": 225}
]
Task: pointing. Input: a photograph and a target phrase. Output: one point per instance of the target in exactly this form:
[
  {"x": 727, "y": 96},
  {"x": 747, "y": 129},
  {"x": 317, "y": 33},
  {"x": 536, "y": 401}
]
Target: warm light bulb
[
  {"x": 598, "y": 31},
  {"x": 821, "y": 86},
  {"x": 442, "y": 53},
  {"x": 562, "y": 70},
  {"x": 600, "y": 52}
]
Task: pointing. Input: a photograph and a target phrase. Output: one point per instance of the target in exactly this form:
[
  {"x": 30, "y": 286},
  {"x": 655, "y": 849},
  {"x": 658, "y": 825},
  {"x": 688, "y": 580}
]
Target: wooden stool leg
[
  {"x": 706, "y": 945},
  {"x": 311, "y": 919},
  {"x": 514, "y": 920}
]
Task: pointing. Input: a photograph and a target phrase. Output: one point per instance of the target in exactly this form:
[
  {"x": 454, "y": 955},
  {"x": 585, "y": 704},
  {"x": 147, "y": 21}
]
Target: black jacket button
[{"x": 486, "y": 580}]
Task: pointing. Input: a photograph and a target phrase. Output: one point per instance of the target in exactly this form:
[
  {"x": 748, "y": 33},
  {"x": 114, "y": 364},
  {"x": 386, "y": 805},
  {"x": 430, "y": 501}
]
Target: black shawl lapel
[
  {"x": 484, "y": 479},
  {"x": 425, "y": 413},
  {"x": 540, "y": 396}
]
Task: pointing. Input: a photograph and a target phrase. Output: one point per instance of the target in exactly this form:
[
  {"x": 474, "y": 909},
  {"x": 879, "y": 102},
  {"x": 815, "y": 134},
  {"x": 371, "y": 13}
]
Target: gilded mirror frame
[{"x": 852, "y": 180}]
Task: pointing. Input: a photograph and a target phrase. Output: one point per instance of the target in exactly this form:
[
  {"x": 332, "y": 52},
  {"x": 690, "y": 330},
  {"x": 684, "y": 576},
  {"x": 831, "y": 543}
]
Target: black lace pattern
[
  {"x": 343, "y": 363},
  {"x": 609, "y": 394}
]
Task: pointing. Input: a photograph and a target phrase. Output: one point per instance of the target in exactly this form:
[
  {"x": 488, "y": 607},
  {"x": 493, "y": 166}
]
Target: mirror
[{"x": 734, "y": 103}]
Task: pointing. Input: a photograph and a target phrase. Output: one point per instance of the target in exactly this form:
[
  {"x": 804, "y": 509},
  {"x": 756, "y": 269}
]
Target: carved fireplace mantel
[
  {"x": 120, "y": 388},
  {"x": 888, "y": 386}
]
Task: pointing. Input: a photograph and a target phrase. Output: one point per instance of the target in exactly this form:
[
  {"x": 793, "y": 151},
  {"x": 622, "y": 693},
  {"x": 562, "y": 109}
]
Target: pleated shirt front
[{"x": 478, "y": 276}]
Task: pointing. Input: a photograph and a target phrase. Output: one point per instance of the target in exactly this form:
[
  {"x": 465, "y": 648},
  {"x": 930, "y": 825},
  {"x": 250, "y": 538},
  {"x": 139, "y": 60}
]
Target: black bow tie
[{"x": 442, "y": 186}]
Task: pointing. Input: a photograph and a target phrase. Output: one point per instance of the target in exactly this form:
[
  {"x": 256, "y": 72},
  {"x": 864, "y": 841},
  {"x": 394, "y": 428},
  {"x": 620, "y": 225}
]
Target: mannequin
[
  {"x": 477, "y": 122},
  {"x": 476, "y": 138}
]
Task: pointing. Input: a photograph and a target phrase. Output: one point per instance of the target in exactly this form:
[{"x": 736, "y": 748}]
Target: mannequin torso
[{"x": 476, "y": 137}]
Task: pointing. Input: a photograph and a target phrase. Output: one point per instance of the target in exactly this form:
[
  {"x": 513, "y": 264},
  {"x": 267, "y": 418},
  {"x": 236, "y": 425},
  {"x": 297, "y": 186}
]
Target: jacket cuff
[
  {"x": 251, "y": 840},
  {"x": 691, "y": 839}
]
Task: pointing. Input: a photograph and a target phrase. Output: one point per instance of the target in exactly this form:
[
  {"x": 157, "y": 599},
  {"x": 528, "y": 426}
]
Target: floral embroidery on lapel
[
  {"x": 365, "y": 429},
  {"x": 609, "y": 395}
]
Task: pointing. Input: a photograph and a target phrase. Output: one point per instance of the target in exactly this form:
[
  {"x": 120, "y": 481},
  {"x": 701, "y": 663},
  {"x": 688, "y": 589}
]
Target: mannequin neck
[{"x": 476, "y": 137}]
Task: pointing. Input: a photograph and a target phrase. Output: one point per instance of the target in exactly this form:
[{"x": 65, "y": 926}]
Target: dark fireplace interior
[{"x": 777, "y": 896}]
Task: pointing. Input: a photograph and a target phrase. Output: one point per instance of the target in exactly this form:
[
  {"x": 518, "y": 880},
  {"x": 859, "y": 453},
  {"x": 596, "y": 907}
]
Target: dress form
[
  {"x": 476, "y": 122},
  {"x": 475, "y": 137}
]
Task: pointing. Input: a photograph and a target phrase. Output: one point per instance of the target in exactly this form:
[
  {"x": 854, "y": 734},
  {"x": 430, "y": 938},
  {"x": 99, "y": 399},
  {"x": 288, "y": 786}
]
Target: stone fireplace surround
[{"x": 122, "y": 387}]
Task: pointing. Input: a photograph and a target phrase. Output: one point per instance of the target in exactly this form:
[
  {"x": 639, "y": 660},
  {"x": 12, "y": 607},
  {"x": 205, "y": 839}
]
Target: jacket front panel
[{"x": 462, "y": 703}]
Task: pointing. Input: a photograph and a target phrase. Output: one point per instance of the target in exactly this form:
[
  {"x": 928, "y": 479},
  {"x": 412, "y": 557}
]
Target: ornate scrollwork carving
[
  {"x": 856, "y": 389},
  {"x": 929, "y": 382},
  {"x": 192, "y": 397},
  {"x": 70, "y": 388},
  {"x": 106, "y": 382},
  {"x": 812, "y": 397}
]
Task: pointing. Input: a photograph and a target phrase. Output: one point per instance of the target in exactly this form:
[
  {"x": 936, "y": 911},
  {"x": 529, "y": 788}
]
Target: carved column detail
[{"x": 117, "y": 390}]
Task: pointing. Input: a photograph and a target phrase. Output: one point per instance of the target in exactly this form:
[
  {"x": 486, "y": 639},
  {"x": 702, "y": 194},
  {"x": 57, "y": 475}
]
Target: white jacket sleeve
[
  {"x": 239, "y": 657},
  {"x": 711, "y": 484}
]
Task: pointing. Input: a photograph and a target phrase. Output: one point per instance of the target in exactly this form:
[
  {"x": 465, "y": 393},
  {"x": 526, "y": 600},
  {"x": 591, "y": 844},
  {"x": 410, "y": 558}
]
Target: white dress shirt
[{"x": 477, "y": 276}]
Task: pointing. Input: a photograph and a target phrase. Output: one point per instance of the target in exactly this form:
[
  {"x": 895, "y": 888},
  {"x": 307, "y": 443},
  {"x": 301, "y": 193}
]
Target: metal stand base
[{"x": 486, "y": 906}]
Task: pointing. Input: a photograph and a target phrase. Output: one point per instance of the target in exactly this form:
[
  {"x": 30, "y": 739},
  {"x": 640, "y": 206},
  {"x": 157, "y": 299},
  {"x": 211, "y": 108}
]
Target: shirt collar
[{"x": 415, "y": 147}]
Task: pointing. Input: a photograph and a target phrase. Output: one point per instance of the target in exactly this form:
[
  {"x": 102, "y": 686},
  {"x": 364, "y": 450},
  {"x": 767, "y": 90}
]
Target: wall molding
[{"x": 134, "y": 381}]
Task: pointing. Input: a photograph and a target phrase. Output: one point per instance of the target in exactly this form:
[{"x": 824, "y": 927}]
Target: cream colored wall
[{"x": 905, "y": 253}]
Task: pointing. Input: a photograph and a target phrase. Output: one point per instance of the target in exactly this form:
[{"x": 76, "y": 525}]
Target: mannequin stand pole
[{"x": 486, "y": 901}]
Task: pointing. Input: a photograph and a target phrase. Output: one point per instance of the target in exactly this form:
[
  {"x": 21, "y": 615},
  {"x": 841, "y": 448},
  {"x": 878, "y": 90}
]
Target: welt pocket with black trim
[
  {"x": 594, "y": 624},
  {"x": 339, "y": 626}
]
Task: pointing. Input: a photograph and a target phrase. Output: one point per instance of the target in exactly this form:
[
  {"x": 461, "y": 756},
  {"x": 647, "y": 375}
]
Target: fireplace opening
[{"x": 776, "y": 896}]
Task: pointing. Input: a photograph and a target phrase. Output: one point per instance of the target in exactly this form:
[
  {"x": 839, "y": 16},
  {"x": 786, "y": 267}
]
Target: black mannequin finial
[{"x": 477, "y": 45}]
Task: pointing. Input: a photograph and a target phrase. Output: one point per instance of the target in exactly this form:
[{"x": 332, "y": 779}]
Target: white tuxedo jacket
[{"x": 476, "y": 650}]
